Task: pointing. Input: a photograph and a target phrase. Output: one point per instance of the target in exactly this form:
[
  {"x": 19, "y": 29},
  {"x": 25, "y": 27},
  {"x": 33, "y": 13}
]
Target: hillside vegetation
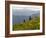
[{"x": 33, "y": 24}]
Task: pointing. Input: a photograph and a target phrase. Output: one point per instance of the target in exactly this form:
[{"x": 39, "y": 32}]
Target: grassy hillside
[{"x": 32, "y": 24}]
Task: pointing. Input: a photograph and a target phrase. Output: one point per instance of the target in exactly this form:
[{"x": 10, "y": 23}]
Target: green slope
[{"x": 33, "y": 24}]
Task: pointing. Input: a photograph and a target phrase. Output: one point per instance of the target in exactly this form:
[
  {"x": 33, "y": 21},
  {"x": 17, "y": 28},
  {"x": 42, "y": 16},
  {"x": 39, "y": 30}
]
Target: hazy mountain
[
  {"x": 19, "y": 19},
  {"x": 35, "y": 15}
]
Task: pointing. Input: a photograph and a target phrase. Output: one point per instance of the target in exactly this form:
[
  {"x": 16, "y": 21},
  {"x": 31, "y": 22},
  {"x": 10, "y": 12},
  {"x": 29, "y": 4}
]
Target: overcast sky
[{"x": 25, "y": 10}]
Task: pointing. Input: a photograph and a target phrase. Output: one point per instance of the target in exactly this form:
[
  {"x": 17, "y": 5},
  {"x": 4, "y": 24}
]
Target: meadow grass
[{"x": 33, "y": 24}]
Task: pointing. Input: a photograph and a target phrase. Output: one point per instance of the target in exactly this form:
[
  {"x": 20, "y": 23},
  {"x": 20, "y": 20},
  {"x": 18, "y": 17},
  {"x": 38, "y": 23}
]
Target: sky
[{"x": 20, "y": 10}]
